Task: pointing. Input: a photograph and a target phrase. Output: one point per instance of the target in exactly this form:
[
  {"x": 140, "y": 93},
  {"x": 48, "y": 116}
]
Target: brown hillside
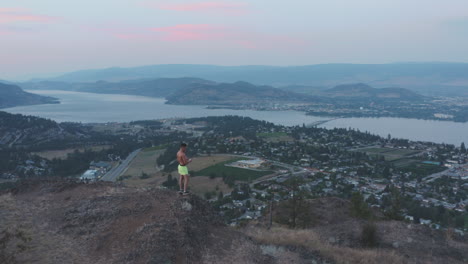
[
  {"x": 103, "y": 223},
  {"x": 337, "y": 236}
]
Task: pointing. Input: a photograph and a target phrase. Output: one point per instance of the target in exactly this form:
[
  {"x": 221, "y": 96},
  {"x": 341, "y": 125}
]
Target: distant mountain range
[
  {"x": 12, "y": 95},
  {"x": 426, "y": 78},
  {"x": 231, "y": 94},
  {"x": 153, "y": 88},
  {"x": 204, "y": 92}
]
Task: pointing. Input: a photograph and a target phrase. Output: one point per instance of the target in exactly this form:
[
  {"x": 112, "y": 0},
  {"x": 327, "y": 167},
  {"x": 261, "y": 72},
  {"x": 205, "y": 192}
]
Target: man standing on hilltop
[{"x": 183, "y": 170}]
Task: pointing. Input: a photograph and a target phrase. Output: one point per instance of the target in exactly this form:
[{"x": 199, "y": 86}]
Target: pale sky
[{"x": 47, "y": 37}]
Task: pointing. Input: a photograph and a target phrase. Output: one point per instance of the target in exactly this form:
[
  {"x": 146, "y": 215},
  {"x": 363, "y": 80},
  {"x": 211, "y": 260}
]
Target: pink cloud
[
  {"x": 12, "y": 15},
  {"x": 222, "y": 35},
  {"x": 7, "y": 9},
  {"x": 247, "y": 44},
  {"x": 190, "y": 32},
  {"x": 219, "y": 7}
]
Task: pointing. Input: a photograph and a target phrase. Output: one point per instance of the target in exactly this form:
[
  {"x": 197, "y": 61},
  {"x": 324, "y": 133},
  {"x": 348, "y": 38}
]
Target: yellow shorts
[{"x": 183, "y": 170}]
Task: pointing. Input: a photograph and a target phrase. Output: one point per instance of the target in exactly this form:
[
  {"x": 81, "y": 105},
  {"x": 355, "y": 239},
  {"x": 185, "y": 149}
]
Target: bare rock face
[
  {"x": 186, "y": 206},
  {"x": 104, "y": 223}
]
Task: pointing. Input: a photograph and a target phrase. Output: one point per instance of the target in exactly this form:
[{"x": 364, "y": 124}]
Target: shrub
[
  {"x": 144, "y": 176},
  {"x": 369, "y": 235},
  {"x": 11, "y": 244},
  {"x": 123, "y": 177}
]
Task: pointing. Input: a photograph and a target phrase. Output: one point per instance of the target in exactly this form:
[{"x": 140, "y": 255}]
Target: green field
[
  {"x": 401, "y": 163},
  {"x": 398, "y": 156},
  {"x": 155, "y": 148},
  {"x": 402, "y": 152},
  {"x": 424, "y": 169},
  {"x": 387, "y": 157},
  {"x": 375, "y": 150},
  {"x": 239, "y": 174}
]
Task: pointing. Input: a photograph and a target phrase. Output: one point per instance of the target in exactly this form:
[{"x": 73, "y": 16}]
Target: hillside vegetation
[
  {"x": 233, "y": 93},
  {"x": 12, "y": 95}
]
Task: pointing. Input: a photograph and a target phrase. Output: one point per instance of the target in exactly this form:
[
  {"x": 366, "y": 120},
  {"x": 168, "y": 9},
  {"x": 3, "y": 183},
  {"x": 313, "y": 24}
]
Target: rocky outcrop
[{"x": 104, "y": 223}]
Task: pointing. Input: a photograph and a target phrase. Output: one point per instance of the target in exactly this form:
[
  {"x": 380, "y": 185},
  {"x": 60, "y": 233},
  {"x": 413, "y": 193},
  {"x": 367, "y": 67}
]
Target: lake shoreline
[{"x": 96, "y": 108}]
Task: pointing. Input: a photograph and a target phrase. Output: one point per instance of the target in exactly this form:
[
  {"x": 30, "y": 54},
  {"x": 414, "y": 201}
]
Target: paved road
[
  {"x": 115, "y": 172},
  {"x": 434, "y": 176}
]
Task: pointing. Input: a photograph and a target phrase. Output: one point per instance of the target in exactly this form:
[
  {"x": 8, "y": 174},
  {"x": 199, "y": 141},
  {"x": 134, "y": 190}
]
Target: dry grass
[
  {"x": 200, "y": 163},
  {"x": 202, "y": 184},
  {"x": 62, "y": 154},
  {"x": 311, "y": 241},
  {"x": 144, "y": 162},
  {"x": 153, "y": 181}
]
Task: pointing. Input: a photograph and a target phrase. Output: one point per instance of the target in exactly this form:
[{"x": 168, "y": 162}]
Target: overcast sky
[{"x": 40, "y": 37}]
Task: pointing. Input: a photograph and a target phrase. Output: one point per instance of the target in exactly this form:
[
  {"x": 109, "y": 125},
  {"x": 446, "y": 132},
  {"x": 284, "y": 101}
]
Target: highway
[
  {"x": 115, "y": 172},
  {"x": 435, "y": 176}
]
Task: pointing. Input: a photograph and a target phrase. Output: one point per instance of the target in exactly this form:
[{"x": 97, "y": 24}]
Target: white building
[
  {"x": 90, "y": 175},
  {"x": 254, "y": 163}
]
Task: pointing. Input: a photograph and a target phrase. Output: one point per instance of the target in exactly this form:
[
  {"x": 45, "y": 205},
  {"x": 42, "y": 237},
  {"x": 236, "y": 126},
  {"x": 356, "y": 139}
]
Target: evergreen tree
[
  {"x": 294, "y": 212},
  {"x": 359, "y": 207},
  {"x": 394, "y": 210}
]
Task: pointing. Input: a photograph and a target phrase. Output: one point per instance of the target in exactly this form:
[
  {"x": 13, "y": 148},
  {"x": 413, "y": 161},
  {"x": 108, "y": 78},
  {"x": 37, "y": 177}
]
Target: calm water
[{"x": 97, "y": 108}]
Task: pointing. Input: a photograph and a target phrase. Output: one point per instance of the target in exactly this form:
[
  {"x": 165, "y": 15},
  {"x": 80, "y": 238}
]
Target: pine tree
[{"x": 359, "y": 207}]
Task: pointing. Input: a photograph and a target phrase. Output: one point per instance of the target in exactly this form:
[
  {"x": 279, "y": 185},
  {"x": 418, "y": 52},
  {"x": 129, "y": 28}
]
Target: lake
[{"x": 100, "y": 108}]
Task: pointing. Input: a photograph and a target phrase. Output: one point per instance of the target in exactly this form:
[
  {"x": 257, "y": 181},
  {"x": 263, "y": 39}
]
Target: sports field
[
  {"x": 239, "y": 174},
  {"x": 390, "y": 151},
  {"x": 399, "y": 157}
]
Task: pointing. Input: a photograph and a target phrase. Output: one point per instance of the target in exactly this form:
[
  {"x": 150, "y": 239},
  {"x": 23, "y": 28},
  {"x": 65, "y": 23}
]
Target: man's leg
[
  {"x": 181, "y": 182},
  {"x": 186, "y": 181}
]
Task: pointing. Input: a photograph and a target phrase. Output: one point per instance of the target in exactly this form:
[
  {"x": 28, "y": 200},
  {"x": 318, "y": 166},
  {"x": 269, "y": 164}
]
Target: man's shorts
[{"x": 183, "y": 170}]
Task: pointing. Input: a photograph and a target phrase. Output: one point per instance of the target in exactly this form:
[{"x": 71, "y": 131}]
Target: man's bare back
[{"x": 182, "y": 158}]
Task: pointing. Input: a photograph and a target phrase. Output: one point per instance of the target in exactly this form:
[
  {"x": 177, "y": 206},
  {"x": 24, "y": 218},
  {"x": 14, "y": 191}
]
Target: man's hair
[{"x": 183, "y": 145}]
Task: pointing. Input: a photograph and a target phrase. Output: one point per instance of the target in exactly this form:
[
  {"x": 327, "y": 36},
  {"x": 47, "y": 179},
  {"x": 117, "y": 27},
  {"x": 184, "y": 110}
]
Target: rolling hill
[
  {"x": 153, "y": 88},
  {"x": 12, "y": 95},
  {"x": 21, "y": 131},
  {"x": 431, "y": 78},
  {"x": 232, "y": 93}
]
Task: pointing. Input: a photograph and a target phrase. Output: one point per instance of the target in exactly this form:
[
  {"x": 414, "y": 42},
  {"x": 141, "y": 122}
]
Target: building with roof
[
  {"x": 252, "y": 164},
  {"x": 89, "y": 175}
]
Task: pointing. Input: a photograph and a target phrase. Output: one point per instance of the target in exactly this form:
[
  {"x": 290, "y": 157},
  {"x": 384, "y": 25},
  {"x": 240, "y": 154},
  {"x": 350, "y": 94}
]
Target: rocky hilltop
[
  {"x": 68, "y": 222},
  {"x": 102, "y": 223}
]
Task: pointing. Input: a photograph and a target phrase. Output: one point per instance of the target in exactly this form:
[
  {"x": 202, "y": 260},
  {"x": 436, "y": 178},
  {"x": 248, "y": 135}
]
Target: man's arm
[{"x": 186, "y": 160}]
